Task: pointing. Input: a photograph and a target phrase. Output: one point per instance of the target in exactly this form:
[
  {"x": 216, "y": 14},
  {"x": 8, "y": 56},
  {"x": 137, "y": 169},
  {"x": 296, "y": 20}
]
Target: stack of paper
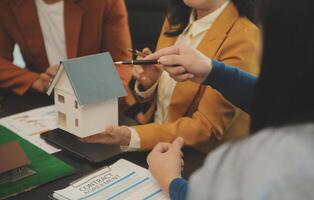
[{"x": 122, "y": 180}]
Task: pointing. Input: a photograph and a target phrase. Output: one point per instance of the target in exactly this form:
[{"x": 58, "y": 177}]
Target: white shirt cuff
[
  {"x": 147, "y": 93},
  {"x": 135, "y": 141}
]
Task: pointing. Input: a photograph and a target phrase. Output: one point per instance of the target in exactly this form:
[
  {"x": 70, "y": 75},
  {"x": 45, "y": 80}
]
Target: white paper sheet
[
  {"x": 30, "y": 124},
  {"x": 122, "y": 180}
]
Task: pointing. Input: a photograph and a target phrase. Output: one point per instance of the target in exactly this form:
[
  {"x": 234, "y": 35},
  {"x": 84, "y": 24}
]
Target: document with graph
[
  {"x": 122, "y": 180},
  {"x": 30, "y": 124}
]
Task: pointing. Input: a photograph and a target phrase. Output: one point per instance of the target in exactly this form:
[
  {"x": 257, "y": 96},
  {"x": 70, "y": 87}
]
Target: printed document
[
  {"x": 29, "y": 125},
  {"x": 122, "y": 180}
]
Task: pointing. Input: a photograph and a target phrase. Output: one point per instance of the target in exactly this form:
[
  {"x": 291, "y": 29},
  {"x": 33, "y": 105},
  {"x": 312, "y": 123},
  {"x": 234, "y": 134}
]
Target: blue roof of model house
[{"x": 93, "y": 78}]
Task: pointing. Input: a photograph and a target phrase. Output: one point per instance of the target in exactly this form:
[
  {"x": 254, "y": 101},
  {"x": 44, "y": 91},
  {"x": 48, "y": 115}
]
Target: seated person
[
  {"x": 49, "y": 31},
  {"x": 276, "y": 161},
  {"x": 219, "y": 29}
]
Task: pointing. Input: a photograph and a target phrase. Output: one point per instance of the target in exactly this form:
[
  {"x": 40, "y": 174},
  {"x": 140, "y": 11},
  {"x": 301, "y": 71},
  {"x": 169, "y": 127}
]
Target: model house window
[
  {"x": 76, "y": 105},
  {"x": 76, "y": 122},
  {"x": 60, "y": 98},
  {"x": 62, "y": 119}
]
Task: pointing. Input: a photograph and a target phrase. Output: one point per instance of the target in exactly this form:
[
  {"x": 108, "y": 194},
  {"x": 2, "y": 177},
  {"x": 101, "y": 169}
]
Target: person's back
[{"x": 274, "y": 164}]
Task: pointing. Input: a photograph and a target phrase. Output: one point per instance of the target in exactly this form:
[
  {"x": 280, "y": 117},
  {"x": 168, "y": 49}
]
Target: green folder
[{"x": 47, "y": 167}]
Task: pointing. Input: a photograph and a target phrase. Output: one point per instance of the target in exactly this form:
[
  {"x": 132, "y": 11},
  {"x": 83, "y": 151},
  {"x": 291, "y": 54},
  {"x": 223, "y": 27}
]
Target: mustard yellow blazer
[{"x": 198, "y": 113}]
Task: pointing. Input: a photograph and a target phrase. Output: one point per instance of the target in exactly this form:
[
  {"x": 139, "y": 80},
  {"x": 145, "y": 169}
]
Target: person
[
  {"x": 49, "y": 31},
  {"x": 221, "y": 30},
  {"x": 276, "y": 161},
  {"x": 229, "y": 81}
]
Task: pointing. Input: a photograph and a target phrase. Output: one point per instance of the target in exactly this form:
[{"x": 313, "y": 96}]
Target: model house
[
  {"x": 86, "y": 92},
  {"x": 13, "y": 163}
]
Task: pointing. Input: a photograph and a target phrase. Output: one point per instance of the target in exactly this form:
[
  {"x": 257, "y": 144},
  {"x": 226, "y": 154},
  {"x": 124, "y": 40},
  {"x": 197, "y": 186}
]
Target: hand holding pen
[
  {"x": 183, "y": 63},
  {"x": 139, "y": 58},
  {"x": 146, "y": 72}
]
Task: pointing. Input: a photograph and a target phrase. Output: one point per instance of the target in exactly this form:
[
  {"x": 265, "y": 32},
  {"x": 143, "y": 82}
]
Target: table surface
[{"x": 12, "y": 104}]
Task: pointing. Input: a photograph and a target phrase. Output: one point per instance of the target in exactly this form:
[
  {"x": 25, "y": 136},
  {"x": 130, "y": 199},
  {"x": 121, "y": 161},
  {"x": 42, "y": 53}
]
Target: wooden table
[{"x": 12, "y": 104}]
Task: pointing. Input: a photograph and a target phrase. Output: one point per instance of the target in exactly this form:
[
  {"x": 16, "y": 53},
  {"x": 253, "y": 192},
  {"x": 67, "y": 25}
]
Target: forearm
[
  {"x": 14, "y": 78},
  {"x": 236, "y": 85},
  {"x": 178, "y": 189},
  {"x": 194, "y": 131}
]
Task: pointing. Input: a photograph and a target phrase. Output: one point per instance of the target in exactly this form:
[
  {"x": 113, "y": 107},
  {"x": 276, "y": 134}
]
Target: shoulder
[
  {"x": 293, "y": 137},
  {"x": 241, "y": 45},
  {"x": 278, "y": 146},
  {"x": 273, "y": 158},
  {"x": 244, "y": 28},
  {"x": 281, "y": 159}
]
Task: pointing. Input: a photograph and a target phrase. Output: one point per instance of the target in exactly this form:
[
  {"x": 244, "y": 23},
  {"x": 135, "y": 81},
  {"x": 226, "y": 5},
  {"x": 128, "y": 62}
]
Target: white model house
[{"x": 86, "y": 92}]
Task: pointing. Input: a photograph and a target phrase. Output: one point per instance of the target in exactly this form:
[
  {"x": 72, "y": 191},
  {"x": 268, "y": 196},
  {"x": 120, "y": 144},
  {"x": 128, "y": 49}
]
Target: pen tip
[{"x": 118, "y": 62}]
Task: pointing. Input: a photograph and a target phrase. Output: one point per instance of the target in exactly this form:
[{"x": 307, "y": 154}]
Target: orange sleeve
[
  {"x": 214, "y": 114},
  {"x": 116, "y": 37},
  {"x": 11, "y": 76},
  {"x": 196, "y": 129}
]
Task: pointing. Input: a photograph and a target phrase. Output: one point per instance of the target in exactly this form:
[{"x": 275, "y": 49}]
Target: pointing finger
[{"x": 163, "y": 52}]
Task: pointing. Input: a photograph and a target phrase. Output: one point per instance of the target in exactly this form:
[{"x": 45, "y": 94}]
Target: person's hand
[
  {"x": 146, "y": 75},
  {"x": 42, "y": 83},
  {"x": 166, "y": 163},
  {"x": 113, "y": 135},
  {"x": 183, "y": 63},
  {"x": 52, "y": 71}
]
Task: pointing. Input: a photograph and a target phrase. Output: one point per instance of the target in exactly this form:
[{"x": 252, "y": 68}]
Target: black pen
[{"x": 137, "y": 62}]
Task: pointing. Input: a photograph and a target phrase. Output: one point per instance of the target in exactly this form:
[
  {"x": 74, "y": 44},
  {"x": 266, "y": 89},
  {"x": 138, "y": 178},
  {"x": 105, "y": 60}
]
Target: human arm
[
  {"x": 165, "y": 163},
  {"x": 213, "y": 116},
  {"x": 116, "y": 37},
  {"x": 178, "y": 189},
  {"x": 229, "y": 81},
  {"x": 204, "y": 122},
  {"x": 147, "y": 78},
  {"x": 197, "y": 128},
  {"x": 15, "y": 78},
  {"x": 12, "y": 77}
]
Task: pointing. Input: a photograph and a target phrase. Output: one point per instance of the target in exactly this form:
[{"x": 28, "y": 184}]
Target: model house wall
[
  {"x": 69, "y": 112},
  {"x": 97, "y": 116},
  {"x": 79, "y": 120}
]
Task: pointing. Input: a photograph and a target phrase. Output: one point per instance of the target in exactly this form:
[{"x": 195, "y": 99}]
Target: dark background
[{"x": 145, "y": 19}]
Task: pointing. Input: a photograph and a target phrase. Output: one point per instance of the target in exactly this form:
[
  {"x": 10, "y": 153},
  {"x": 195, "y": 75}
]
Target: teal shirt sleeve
[
  {"x": 236, "y": 85},
  {"x": 178, "y": 189}
]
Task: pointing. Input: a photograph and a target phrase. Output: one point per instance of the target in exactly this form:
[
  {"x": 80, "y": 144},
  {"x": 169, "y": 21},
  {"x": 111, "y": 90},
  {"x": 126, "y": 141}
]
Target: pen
[{"x": 137, "y": 62}]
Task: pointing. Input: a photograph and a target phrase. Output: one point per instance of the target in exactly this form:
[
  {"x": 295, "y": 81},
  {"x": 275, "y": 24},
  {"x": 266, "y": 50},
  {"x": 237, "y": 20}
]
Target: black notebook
[{"x": 91, "y": 152}]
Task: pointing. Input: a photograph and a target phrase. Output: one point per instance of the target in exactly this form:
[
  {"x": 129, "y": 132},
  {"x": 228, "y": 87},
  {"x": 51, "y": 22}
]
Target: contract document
[{"x": 122, "y": 180}]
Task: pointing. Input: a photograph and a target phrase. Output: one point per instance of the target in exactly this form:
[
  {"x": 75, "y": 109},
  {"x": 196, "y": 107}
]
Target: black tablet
[{"x": 92, "y": 152}]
